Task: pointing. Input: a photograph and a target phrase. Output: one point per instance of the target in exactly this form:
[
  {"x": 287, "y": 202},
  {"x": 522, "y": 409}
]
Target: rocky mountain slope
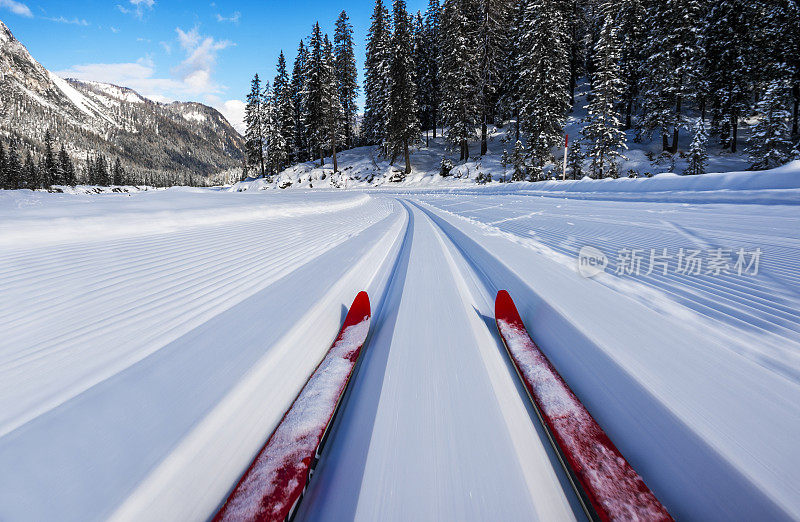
[{"x": 92, "y": 117}]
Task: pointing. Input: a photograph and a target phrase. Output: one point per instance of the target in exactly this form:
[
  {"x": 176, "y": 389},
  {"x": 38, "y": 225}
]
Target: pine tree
[
  {"x": 67, "y": 167},
  {"x": 492, "y": 31},
  {"x": 698, "y": 155},
  {"x": 30, "y": 173},
  {"x": 575, "y": 160},
  {"x": 269, "y": 123},
  {"x": 50, "y": 174},
  {"x": 770, "y": 144},
  {"x": 518, "y": 161},
  {"x": 102, "y": 171},
  {"x": 602, "y": 132},
  {"x": 460, "y": 80},
  {"x": 509, "y": 103},
  {"x": 376, "y": 83},
  {"x": 298, "y": 86},
  {"x": 283, "y": 125},
  {"x": 254, "y": 122},
  {"x": 403, "y": 125},
  {"x": 430, "y": 83},
  {"x": 118, "y": 174},
  {"x": 333, "y": 113},
  {"x": 544, "y": 77},
  {"x": 14, "y": 174},
  {"x": 671, "y": 66},
  {"x": 630, "y": 19},
  {"x": 420, "y": 59},
  {"x": 346, "y": 76},
  {"x": 315, "y": 100},
  {"x": 729, "y": 59}
]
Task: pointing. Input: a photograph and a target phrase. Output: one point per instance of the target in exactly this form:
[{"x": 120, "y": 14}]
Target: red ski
[
  {"x": 273, "y": 485},
  {"x": 606, "y": 480}
]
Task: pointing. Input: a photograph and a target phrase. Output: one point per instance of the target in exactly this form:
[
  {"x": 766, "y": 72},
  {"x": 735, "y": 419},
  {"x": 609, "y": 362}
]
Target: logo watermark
[
  {"x": 591, "y": 261},
  {"x": 712, "y": 262}
]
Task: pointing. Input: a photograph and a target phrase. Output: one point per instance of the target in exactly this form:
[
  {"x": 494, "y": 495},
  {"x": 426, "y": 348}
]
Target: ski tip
[
  {"x": 360, "y": 307},
  {"x": 502, "y": 296},
  {"x": 504, "y": 305}
]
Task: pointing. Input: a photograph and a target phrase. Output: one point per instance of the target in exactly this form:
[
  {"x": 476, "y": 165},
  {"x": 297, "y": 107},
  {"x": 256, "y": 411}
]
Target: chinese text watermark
[{"x": 663, "y": 261}]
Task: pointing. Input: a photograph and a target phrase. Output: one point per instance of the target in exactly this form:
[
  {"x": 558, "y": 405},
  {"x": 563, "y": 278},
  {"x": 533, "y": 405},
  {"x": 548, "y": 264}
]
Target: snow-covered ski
[
  {"x": 608, "y": 487},
  {"x": 274, "y": 483}
]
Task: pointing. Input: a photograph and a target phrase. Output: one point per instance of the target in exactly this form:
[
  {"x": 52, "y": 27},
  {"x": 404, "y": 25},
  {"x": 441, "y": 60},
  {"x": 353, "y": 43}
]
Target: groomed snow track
[{"x": 159, "y": 422}]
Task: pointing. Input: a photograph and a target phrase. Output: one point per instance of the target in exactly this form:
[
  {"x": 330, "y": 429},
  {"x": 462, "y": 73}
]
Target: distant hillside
[{"x": 147, "y": 136}]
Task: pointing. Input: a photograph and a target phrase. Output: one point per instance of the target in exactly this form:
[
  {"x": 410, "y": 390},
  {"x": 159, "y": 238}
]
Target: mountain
[{"x": 93, "y": 117}]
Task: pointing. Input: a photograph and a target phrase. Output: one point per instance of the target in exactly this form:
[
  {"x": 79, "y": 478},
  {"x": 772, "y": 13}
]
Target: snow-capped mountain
[{"x": 93, "y": 117}]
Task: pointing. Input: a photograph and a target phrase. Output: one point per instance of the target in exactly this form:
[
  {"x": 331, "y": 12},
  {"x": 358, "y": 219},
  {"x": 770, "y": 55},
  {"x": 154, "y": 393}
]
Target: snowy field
[{"x": 153, "y": 340}]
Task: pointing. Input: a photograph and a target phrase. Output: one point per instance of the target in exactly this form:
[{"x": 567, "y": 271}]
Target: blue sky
[{"x": 173, "y": 49}]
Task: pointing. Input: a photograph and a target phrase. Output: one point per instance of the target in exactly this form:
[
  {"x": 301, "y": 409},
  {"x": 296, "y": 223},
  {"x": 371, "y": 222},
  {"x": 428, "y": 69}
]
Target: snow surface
[
  {"x": 152, "y": 341},
  {"x": 78, "y": 99}
]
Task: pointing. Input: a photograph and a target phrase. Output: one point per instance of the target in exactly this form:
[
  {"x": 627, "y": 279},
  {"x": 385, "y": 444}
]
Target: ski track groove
[
  {"x": 159, "y": 285},
  {"x": 748, "y": 303}
]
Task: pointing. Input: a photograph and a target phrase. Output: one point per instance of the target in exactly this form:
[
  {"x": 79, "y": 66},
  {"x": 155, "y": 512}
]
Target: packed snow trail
[
  {"x": 670, "y": 388},
  {"x": 435, "y": 427},
  {"x": 152, "y": 342},
  {"x": 121, "y": 364}
]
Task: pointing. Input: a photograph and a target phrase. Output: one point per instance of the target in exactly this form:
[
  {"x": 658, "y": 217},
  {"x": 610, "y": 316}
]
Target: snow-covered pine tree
[
  {"x": 492, "y": 32},
  {"x": 67, "y": 167},
  {"x": 30, "y": 173},
  {"x": 268, "y": 119},
  {"x": 543, "y": 76},
  {"x": 603, "y": 133},
  {"x": 729, "y": 54},
  {"x": 403, "y": 125},
  {"x": 459, "y": 72},
  {"x": 346, "y": 76},
  {"x": 770, "y": 144},
  {"x": 430, "y": 84},
  {"x": 50, "y": 174},
  {"x": 13, "y": 167},
  {"x": 118, "y": 173},
  {"x": 314, "y": 96},
  {"x": 283, "y": 114},
  {"x": 420, "y": 59},
  {"x": 518, "y": 161},
  {"x": 698, "y": 155},
  {"x": 630, "y": 18},
  {"x": 254, "y": 127},
  {"x": 376, "y": 83},
  {"x": 575, "y": 160},
  {"x": 298, "y": 86},
  {"x": 671, "y": 66},
  {"x": 333, "y": 113},
  {"x": 509, "y": 100}
]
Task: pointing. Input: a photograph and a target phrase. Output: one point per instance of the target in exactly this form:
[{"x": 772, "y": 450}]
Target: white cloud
[
  {"x": 138, "y": 7},
  {"x": 17, "y": 8},
  {"x": 114, "y": 29},
  {"x": 201, "y": 57},
  {"x": 73, "y": 21},
  {"x": 232, "y": 18}
]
